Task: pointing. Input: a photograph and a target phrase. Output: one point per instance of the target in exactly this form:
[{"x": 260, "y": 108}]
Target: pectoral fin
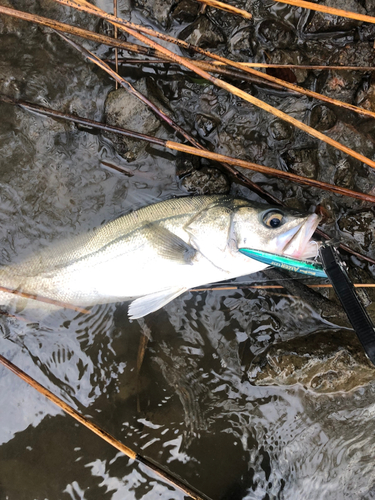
[
  {"x": 152, "y": 302},
  {"x": 168, "y": 244}
]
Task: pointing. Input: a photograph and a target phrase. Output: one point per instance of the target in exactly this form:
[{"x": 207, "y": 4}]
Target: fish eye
[{"x": 273, "y": 219}]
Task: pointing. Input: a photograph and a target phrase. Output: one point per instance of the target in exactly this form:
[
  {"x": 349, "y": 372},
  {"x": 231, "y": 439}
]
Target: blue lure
[{"x": 288, "y": 263}]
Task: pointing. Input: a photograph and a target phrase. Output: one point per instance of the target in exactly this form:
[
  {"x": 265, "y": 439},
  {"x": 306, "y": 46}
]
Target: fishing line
[{"x": 305, "y": 280}]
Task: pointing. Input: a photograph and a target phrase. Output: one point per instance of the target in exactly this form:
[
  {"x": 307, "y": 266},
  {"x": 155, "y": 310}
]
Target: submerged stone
[
  {"x": 158, "y": 10},
  {"x": 276, "y": 34},
  {"x": 360, "y": 226},
  {"x": 203, "y": 33},
  {"x": 125, "y": 110},
  {"x": 208, "y": 180},
  {"x": 322, "y": 118},
  {"x": 302, "y": 162},
  {"x": 344, "y": 175},
  {"x": 327, "y": 361},
  {"x": 186, "y": 11}
]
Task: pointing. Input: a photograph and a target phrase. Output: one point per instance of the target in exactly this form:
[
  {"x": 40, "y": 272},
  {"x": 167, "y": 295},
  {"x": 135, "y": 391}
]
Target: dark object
[
  {"x": 285, "y": 74},
  {"x": 349, "y": 299},
  {"x": 186, "y": 11}
]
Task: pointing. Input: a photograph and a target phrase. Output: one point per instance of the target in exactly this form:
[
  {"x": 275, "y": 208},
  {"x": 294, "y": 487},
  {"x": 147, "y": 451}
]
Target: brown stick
[
  {"x": 268, "y": 287},
  {"x": 215, "y": 65},
  {"x": 40, "y": 298},
  {"x": 227, "y": 8},
  {"x": 270, "y": 171},
  {"x": 329, "y": 10},
  {"x": 80, "y": 121},
  {"x": 237, "y": 175},
  {"x": 153, "y": 140},
  {"x": 241, "y": 66},
  {"x": 73, "y": 30},
  {"x": 195, "y": 151},
  {"x": 86, "y": 7},
  {"x": 308, "y": 66},
  {"x": 100, "y": 432},
  {"x": 115, "y": 33},
  {"x": 206, "y": 65}
]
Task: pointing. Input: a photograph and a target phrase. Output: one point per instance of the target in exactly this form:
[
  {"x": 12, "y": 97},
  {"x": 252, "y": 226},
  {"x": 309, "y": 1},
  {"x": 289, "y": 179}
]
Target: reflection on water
[{"x": 191, "y": 406}]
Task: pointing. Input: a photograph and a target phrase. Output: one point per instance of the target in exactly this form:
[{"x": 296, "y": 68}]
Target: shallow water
[{"x": 191, "y": 406}]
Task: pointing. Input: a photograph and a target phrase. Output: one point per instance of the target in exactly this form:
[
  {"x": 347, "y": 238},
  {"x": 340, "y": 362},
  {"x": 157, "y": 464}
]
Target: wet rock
[
  {"x": 208, "y": 180},
  {"x": 186, "y": 11},
  {"x": 361, "y": 226},
  {"x": 127, "y": 111},
  {"x": 256, "y": 150},
  {"x": 366, "y": 32},
  {"x": 330, "y": 158},
  {"x": 325, "y": 211},
  {"x": 275, "y": 34},
  {"x": 326, "y": 23},
  {"x": 322, "y": 118},
  {"x": 356, "y": 54},
  {"x": 301, "y": 162},
  {"x": 370, "y": 7},
  {"x": 344, "y": 175},
  {"x": 241, "y": 43},
  {"x": 342, "y": 85},
  {"x": 158, "y": 10},
  {"x": 325, "y": 362},
  {"x": 281, "y": 130},
  {"x": 205, "y": 124},
  {"x": 288, "y": 56},
  {"x": 203, "y": 33},
  {"x": 365, "y": 96},
  {"x": 185, "y": 164}
]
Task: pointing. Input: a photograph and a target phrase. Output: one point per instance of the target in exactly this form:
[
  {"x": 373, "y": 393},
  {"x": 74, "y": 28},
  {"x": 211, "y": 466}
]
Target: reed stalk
[
  {"x": 166, "y": 476},
  {"x": 329, "y": 10},
  {"x": 115, "y": 37},
  {"x": 227, "y": 8},
  {"x": 129, "y": 28},
  {"x": 269, "y": 287},
  {"x": 215, "y": 66},
  {"x": 233, "y": 172},
  {"x": 46, "y": 300},
  {"x": 244, "y": 67},
  {"x": 196, "y": 151},
  {"x": 168, "y": 144}
]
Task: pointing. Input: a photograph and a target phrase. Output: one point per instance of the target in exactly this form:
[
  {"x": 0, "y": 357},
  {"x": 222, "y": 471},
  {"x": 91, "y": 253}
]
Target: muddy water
[{"x": 244, "y": 394}]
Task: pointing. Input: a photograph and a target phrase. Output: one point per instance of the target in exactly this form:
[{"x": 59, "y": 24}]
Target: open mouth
[{"x": 298, "y": 241}]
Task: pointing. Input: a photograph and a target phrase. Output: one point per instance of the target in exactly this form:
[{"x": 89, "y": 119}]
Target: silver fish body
[{"x": 154, "y": 254}]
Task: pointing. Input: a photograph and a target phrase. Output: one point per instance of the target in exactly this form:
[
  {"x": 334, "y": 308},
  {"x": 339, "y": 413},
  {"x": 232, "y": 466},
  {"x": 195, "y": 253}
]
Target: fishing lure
[{"x": 283, "y": 262}]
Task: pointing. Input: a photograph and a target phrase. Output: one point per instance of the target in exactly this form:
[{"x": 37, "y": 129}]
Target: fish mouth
[{"x": 297, "y": 241}]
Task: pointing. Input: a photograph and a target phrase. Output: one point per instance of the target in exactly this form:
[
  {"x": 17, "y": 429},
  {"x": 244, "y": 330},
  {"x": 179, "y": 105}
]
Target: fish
[{"x": 152, "y": 255}]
